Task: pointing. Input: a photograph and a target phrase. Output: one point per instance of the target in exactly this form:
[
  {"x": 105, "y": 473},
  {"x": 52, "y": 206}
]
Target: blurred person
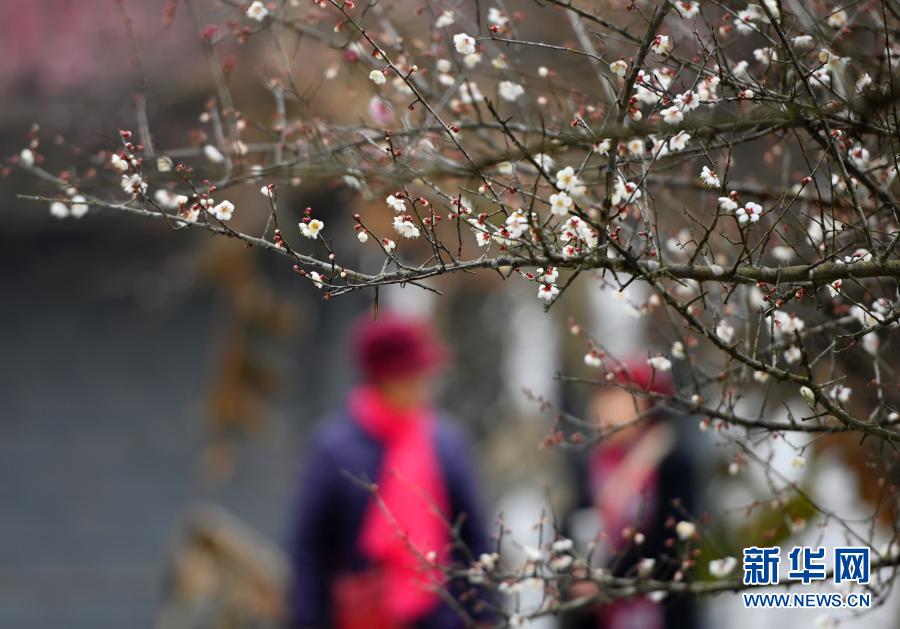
[
  {"x": 639, "y": 479},
  {"x": 352, "y": 566}
]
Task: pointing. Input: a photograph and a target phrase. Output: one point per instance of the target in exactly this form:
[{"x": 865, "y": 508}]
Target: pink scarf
[
  {"x": 622, "y": 501},
  {"x": 411, "y": 487}
]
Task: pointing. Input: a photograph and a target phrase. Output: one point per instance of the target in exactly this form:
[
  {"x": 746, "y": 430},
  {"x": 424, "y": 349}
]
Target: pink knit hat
[{"x": 396, "y": 346}]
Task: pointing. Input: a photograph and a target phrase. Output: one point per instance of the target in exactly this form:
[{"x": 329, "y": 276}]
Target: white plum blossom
[
  {"x": 471, "y": 60},
  {"x": 510, "y": 91},
  {"x": 782, "y": 253},
  {"x": 724, "y": 331},
  {"x": 685, "y": 530},
  {"x": 388, "y": 244},
  {"x": 561, "y": 204},
  {"x": 592, "y": 359},
  {"x": 469, "y": 93},
  {"x": 687, "y": 10},
  {"x": 223, "y": 211},
  {"x": 661, "y": 44},
  {"x": 792, "y": 355},
  {"x": 786, "y": 325},
  {"x": 133, "y": 184},
  {"x": 619, "y": 67},
  {"x": 377, "y": 77},
  {"x": 765, "y": 55},
  {"x": 563, "y": 545},
  {"x": 688, "y": 101},
  {"x": 602, "y": 147},
  {"x": 859, "y": 155},
  {"x": 26, "y": 157},
  {"x": 721, "y": 568},
  {"x": 548, "y": 275},
  {"x": 838, "y": 19},
  {"x": 517, "y": 223},
  {"x": 636, "y": 147},
  {"x": 168, "y": 200},
  {"x": 660, "y": 147},
  {"x": 444, "y": 20},
  {"x": 560, "y": 563},
  {"x": 576, "y": 231},
  {"x": 488, "y": 560},
  {"x": 822, "y": 77},
  {"x": 405, "y": 227},
  {"x": 312, "y": 228},
  {"x": 567, "y": 180},
  {"x": 362, "y": 236},
  {"x": 678, "y": 350},
  {"x": 672, "y": 115},
  {"x": 707, "y": 88},
  {"x": 772, "y": 5},
  {"x": 482, "y": 235},
  {"x": 78, "y": 206},
  {"x": 832, "y": 61},
  {"x": 544, "y": 161},
  {"x": 709, "y": 178},
  {"x": 644, "y": 93},
  {"x": 870, "y": 343},
  {"x": 396, "y": 204},
  {"x": 497, "y": 17},
  {"x": 740, "y": 70},
  {"x": 548, "y": 292},
  {"x": 59, "y": 209},
  {"x": 257, "y": 11},
  {"x": 465, "y": 44},
  {"x": 860, "y": 255},
  {"x": 645, "y": 566},
  {"x": 118, "y": 163},
  {"x": 743, "y": 23},
  {"x": 679, "y": 141},
  {"x": 625, "y": 192},
  {"x": 316, "y": 278},
  {"x": 728, "y": 204},
  {"x": 803, "y": 42},
  {"x": 660, "y": 363},
  {"x": 750, "y": 213},
  {"x": 840, "y": 393}
]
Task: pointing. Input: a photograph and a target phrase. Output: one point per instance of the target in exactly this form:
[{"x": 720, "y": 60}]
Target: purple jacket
[{"x": 331, "y": 507}]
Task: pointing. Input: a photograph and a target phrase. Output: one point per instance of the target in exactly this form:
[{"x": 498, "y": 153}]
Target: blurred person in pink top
[
  {"x": 636, "y": 484},
  {"x": 366, "y": 562}
]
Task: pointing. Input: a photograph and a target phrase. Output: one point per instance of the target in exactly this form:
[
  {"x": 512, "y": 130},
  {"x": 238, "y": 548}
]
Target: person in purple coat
[{"x": 389, "y": 496}]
